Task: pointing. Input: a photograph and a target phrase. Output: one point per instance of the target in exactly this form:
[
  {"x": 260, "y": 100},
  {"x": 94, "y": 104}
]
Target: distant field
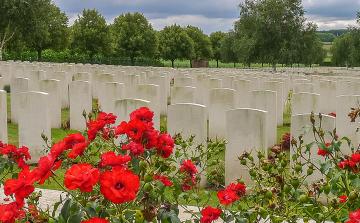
[{"x": 327, "y": 48}]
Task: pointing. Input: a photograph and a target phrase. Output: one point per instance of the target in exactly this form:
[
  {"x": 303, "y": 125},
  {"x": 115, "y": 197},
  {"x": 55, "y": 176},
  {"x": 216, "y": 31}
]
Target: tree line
[
  {"x": 267, "y": 31},
  {"x": 346, "y": 48}
]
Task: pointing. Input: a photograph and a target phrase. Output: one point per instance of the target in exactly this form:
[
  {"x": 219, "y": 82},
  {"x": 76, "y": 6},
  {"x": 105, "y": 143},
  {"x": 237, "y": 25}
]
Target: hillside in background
[{"x": 328, "y": 36}]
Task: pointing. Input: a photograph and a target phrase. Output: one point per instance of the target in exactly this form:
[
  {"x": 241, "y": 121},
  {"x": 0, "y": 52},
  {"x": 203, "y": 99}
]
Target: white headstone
[
  {"x": 215, "y": 83},
  {"x": 303, "y": 87},
  {"x": 242, "y": 88},
  {"x": 124, "y": 107},
  {"x": 327, "y": 96},
  {"x": 100, "y": 79},
  {"x": 184, "y": 94},
  {"x": 201, "y": 91},
  {"x": 52, "y": 87},
  {"x": 347, "y": 88},
  {"x": 246, "y": 131},
  {"x": 345, "y": 128},
  {"x": 302, "y": 103},
  {"x": 266, "y": 101},
  {"x": 220, "y": 101},
  {"x": 17, "y": 85},
  {"x": 34, "y": 121},
  {"x": 130, "y": 81},
  {"x": 301, "y": 125},
  {"x": 3, "y": 117},
  {"x": 188, "y": 119},
  {"x": 108, "y": 94},
  {"x": 64, "y": 86},
  {"x": 80, "y": 101},
  {"x": 35, "y": 76},
  {"x": 183, "y": 81},
  {"x": 82, "y": 76},
  {"x": 151, "y": 93},
  {"x": 2, "y": 82},
  {"x": 164, "y": 84},
  {"x": 278, "y": 87}
]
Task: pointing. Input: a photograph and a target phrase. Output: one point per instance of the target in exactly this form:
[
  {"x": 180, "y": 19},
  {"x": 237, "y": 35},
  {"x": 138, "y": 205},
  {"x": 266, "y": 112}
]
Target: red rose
[
  {"x": 342, "y": 164},
  {"x": 119, "y": 185},
  {"x": 19, "y": 155},
  {"x": 135, "y": 129},
  {"x": 121, "y": 128},
  {"x": 108, "y": 118},
  {"x": 188, "y": 167},
  {"x": 322, "y": 152},
  {"x": 77, "y": 150},
  {"x": 354, "y": 217},
  {"x": 165, "y": 145},
  {"x": 81, "y": 176},
  {"x": 21, "y": 187},
  {"x": 135, "y": 148},
  {"x": 73, "y": 139},
  {"x": 94, "y": 127},
  {"x": 164, "y": 180},
  {"x": 150, "y": 138},
  {"x": 143, "y": 114},
  {"x": 232, "y": 193},
  {"x": 343, "y": 198},
  {"x": 227, "y": 196},
  {"x": 209, "y": 214},
  {"x": 57, "y": 149},
  {"x": 113, "y": 160},
  {"x": 355, "y": 157},
  {"x": 46, "y": 165},
  {"x": 238, "y": 188},
  {"x": 96, "y": 220},
  {"x": 10, "y": 212}
]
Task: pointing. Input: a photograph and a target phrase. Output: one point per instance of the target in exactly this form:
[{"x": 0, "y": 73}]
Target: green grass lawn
[{"x": 212, "y": 64}]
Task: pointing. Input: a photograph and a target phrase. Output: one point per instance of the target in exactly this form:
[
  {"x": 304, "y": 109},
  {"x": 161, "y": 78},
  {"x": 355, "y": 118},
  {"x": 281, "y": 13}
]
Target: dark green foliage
[
  {"x": 91, "y": 34},
  {"x": 175, "y": 43},
  {"x": 216, "y": 39},
  {"x": 202, "y": 43},
  {"x": 133, "y": 36},
  {"x": 47, "y": 28},
  {"x": 228, "y": 53}
]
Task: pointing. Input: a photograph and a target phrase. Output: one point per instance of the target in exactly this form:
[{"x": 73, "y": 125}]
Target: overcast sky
[{"x": 209, "y": 15}]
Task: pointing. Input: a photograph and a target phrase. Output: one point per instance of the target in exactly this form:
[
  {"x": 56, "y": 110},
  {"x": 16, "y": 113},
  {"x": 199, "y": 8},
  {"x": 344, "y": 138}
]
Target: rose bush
[{"x": 131, "y": 172}]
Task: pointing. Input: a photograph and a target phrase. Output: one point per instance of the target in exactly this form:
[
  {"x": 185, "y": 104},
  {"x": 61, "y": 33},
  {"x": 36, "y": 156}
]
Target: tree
[
  {"x": 271, "y": 25},
  {"x": 202, "y": 43},
  {"x": 91, "y": 33},
  {"x": 174, "y": 43},
  {"x": 13, "y": 17},
  {"x": 228, "y": 53},
  {"x": 341, "y": 50},
  {"x": 346, "y": 48},
  {"x": 47, "y": 28},
  {"x": 311, "y": 46},
  {"x": 134, "y": 36},
  {"x": 216, "y": 38}
]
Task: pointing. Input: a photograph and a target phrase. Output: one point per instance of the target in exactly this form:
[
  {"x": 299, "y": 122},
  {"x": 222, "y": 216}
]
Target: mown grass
[{"x": 212, "y": 64}]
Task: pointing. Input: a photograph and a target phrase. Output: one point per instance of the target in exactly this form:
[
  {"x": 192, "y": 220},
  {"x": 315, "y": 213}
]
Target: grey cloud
[
  {"x": 340, "y": 9},
  {"x": 210, "y": 15},
  {"x": 161, "y": 8}
]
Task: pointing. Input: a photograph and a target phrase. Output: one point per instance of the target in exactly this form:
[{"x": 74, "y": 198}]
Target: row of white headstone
[{"x": 244, "y": 128}]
